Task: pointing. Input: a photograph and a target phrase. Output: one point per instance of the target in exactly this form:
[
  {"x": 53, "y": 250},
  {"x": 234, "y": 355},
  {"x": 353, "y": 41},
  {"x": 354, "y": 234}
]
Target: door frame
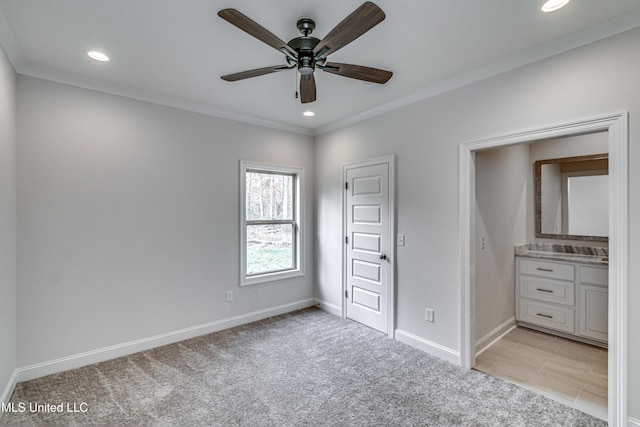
[
  {"x": 391, "y": 257},
  {"x": 617, "y": 127}
]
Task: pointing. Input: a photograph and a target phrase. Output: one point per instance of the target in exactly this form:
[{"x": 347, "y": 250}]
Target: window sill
[{"x": 270, "y": 277}]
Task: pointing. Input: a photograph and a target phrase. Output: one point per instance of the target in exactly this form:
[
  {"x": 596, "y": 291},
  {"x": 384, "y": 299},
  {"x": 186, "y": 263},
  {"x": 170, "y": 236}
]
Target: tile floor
[{"x": 568, "y": 371}]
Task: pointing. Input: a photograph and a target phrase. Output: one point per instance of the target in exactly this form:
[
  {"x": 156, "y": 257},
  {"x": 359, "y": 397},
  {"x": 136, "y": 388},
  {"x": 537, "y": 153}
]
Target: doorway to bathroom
[
  {"x": 528, "y": 324},
  {"x": 615, "y": 129}
]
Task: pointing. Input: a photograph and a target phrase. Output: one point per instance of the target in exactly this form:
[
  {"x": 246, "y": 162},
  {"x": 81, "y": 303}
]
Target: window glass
[
  {"x": 269, "y": 248},
  {"x": 269, "y": 196}
]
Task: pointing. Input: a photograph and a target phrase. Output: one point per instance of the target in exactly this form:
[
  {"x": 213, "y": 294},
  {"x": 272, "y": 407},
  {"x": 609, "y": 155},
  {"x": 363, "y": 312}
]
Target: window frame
[{"x": 298, "y": 224}]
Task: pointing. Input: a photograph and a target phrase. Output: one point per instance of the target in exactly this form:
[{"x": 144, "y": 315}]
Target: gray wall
[
  {"x": 7, "y": 220},
  {"x": 591, "y": 81},
  {"x": 129, "y": 219},
  {"x": 502, "y": 201}
]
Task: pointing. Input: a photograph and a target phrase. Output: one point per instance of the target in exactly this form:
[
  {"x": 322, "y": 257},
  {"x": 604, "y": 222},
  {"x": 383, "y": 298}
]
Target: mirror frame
[{"x": 538, "y": 198}]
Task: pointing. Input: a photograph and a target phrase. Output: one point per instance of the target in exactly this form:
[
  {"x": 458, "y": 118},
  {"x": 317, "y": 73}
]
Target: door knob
[{"x": 383, "y": 256}]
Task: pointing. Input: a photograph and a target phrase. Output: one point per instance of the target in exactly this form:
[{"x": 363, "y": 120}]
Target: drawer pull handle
[
  {"x": 544, "y": 315},
  {"x": 544, "y": 269},
  {"x": 544, "y": 290}
]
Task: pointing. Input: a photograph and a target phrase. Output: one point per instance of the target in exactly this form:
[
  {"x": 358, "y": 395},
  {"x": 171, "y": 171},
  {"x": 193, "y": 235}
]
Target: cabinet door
[{"x": 593, "y": 309}]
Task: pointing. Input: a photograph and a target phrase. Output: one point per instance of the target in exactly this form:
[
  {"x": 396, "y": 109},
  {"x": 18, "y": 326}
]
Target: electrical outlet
[
  {"x": 229, "y": 296},
  {"x": 428, "y": 314},
  {"x": 483, "y": 242}
]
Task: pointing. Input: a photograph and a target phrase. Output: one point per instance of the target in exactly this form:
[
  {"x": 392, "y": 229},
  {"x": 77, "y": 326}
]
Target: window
[{"x": 270, "y": 230}]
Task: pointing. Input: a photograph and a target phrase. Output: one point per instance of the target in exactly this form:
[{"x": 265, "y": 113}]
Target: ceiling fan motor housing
[{"x": 304, "y": 46}]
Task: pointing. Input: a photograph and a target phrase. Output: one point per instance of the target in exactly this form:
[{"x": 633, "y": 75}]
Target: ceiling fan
[{"x": 307, "y": 53}]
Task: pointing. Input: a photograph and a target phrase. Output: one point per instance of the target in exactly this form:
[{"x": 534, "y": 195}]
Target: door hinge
[
  {"x": 346, "y": 294},
  {"x": 346, "y": 185},
  {"x": 346, "y": 240}
]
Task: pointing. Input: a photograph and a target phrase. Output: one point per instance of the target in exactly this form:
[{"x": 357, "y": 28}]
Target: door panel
[
  {"x": 367, "y": 230},
  {"x": 366, "y": 242},
  {"x": 367, "y": 185},
  {"x": 366, "y": 214},
  {"x": 366, "y": 299},
  {"x": 367, "y": 271}
]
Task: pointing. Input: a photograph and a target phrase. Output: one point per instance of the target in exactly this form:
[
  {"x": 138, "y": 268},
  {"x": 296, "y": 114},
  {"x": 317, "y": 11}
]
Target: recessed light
[
  {"x": 308, "y": 113},
  {"x": 97, "y": 55},
  {"x": 553, "y": 5}
]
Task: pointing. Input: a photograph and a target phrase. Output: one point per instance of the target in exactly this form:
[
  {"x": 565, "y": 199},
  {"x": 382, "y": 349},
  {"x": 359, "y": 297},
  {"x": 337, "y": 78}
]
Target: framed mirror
[{"x": 572, "y": 198}]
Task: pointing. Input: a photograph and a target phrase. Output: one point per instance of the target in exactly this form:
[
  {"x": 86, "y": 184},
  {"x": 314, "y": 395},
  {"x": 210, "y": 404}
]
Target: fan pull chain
[{"x": 296, "y": 82}]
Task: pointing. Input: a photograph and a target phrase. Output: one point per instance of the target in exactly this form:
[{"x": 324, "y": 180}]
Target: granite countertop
[{"x": 581, "y": 254}]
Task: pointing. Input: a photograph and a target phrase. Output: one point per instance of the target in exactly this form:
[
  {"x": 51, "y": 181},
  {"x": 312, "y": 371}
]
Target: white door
[{"x": 367, "y": 257}]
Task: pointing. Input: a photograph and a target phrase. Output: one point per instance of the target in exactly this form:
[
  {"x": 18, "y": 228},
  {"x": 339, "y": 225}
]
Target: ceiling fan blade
[
  {"x": 368, "y": 74},
  {"x": 253, "y": 73},
  {"x": 307, "y": 88},
  {"x": 353, "y": 26},
  {"x": 256, "y": 30}
]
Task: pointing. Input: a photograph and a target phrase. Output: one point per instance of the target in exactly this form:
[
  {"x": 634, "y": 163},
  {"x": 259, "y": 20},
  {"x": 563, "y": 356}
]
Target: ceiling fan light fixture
[
  {"x": 553, "y": 5},
  {"x": 306, "y": 65},
  {"x": 308, "y": 114},
  {"x": 96, "y": 55}
]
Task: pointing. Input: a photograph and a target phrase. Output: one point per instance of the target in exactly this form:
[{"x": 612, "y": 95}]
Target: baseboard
[
  {"x": 11, "y": 385},
  {"x": 71, "y": 362},
  {"x": 330, "y": 308},
  {"x": 634, "y": 422},
  {"x": 429, "y": 347},
  {"x": 488, "y": 340}
]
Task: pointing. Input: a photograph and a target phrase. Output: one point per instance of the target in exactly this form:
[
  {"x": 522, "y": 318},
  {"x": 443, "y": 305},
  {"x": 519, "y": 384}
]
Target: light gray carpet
[{"x": 307, "y": 368}]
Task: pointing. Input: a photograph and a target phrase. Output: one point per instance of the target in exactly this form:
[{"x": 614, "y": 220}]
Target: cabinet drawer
[
  {"x": 548, "y": 315},
  {"x": 547, "y": 290},
  {"x": 594, "y": 275},
  {"x": 552, "y": 270}
]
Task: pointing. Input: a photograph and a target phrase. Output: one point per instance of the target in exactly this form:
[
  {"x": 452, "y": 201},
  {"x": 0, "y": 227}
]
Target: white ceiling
[{"x": 174, "y": 52}]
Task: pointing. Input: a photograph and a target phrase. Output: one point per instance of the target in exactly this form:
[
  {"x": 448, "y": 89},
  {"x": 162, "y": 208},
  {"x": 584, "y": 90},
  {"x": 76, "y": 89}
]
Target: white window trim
[{"x": 299, "y": 215}]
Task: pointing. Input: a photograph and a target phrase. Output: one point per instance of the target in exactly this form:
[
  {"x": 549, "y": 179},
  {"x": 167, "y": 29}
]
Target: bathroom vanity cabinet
[{"x": 565, "y": 298}]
